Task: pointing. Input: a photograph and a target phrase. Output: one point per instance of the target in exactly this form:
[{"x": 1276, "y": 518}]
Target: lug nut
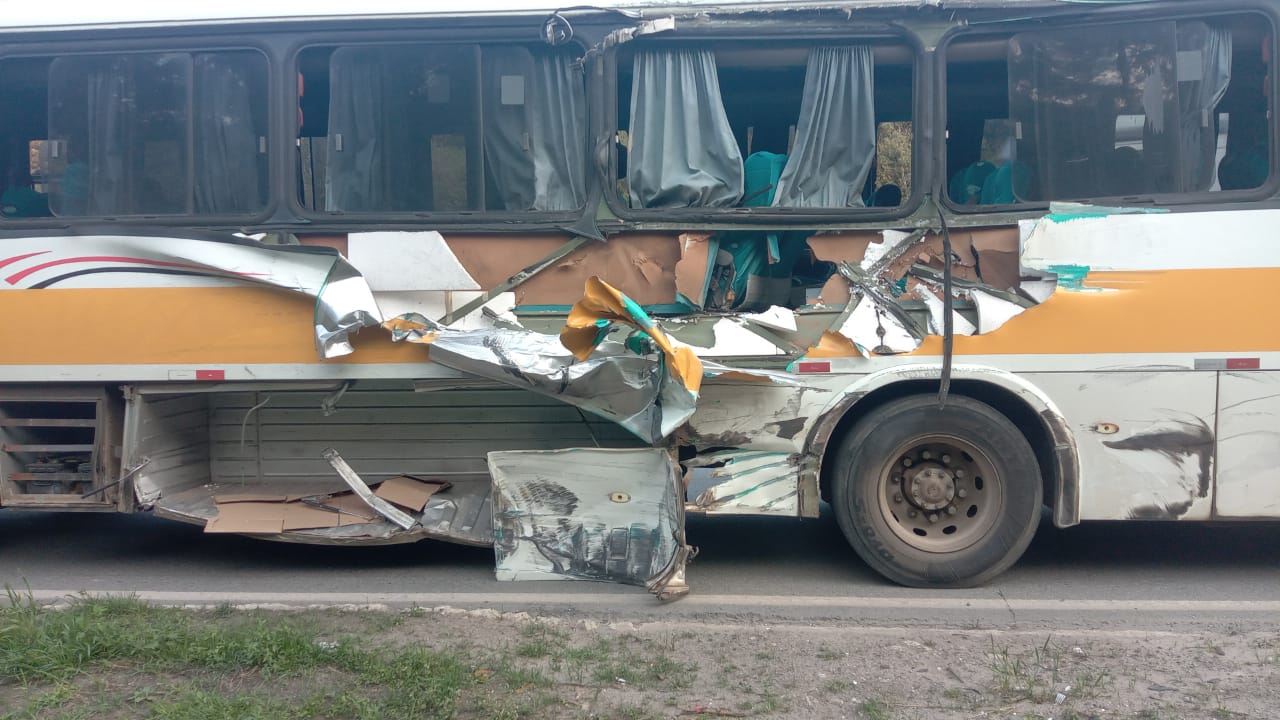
[
  {"x": 926, "y": 455},
  {"x": 897, "y": 479},
  {"x": 906, "y": 462},
  {"x": 933, "y": 518},
  {"x": 951, "y": 510},
  {"x": 961, "y": 493},
  {"x": 897, "y": 497},
  {"x": 960, "y": 474},
  {"x": 912, "y": 514},
  {"x": 946, "y": 459}
]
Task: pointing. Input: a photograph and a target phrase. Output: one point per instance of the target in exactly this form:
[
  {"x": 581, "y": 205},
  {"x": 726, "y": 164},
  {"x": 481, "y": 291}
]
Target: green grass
[
  {"x": 117, "y": 657},
  {"x": 41, "y": 646}
]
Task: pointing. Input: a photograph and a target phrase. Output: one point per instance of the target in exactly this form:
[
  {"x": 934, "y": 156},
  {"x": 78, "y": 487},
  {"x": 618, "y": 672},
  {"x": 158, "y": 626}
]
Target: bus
[{"x": 551, "y": 280}]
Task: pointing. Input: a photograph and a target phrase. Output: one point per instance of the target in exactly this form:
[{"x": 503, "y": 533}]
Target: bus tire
[{"x": 937, "y": 497}]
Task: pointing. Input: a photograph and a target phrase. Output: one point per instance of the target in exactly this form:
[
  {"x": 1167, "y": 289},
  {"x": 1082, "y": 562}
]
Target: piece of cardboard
[
  {"x": 351, "y": 503},
  {"x": 300, "y": 516},
  {"x": 248, "y": 517},
  {"x": 409, "y": 492}
]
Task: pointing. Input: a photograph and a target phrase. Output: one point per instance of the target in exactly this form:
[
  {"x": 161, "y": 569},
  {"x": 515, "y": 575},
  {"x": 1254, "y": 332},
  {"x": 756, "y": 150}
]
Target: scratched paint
[
  {"x": 749, "y": 483},
  {"x": 589, "y": 514}
]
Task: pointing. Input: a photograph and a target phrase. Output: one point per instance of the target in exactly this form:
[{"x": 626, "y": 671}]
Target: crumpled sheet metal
[
  {"x": 749, "y": 482},
  {"x": 648, "y": 393},
  {"x": 590, "y": 514},
  {"x": 877, "y": 324},
  {"x": 344, "y": 302}
]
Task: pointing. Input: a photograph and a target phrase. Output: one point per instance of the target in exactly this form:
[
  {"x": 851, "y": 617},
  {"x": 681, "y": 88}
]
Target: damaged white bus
[{"x": 498, "y": 274}]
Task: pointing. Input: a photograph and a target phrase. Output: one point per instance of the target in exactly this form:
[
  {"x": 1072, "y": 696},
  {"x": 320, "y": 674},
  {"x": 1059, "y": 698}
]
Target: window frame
[
  {"x": 808, "y": 33},
  {"x": 1109, "y": 16},
  {"x": 173, "y": 43},
  {"x": 438, "y": 34}
]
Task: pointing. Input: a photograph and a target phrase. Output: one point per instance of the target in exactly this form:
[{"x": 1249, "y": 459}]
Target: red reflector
[
  {"x": 1243, "y": 363},
  {"x": 211, "y": 374},
  {"x": 813, "y": 367}
]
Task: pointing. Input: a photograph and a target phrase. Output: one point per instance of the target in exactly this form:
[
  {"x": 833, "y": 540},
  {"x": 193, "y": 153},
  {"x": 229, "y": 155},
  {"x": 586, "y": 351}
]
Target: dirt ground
[
  {"x": 488, "y": 665},
  {"x": 841, "y": 669}
]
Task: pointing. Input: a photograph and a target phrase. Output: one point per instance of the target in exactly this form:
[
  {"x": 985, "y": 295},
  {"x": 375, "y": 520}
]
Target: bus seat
[
  {"x": 1008, "y": 183},
  {"x": 966, "y": 185}
]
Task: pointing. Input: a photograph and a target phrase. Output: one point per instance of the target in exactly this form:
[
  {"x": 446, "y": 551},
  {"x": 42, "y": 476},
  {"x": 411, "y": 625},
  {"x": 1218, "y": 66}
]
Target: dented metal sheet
[
  {"x": 590, "y": 514},
  {"x": 344, "y": 302},
  {"x": 647, "y": 383},
  {"x": 749, "y": 483}
]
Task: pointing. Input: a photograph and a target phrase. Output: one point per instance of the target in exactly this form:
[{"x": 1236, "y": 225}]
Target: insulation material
[
  {"x": 343, "y": 301},
  {"x": 643, "y": 263},
  {"x": 749, "y": 482},
  {"x": 590, "y": 514},
  {"x": 693, "y": 270}
]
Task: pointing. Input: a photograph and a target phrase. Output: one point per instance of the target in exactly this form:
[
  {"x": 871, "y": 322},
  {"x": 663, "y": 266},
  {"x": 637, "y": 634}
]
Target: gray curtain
[
  {"x": 836, "y": 137},
  {"x": 226, "y": 142},
  {"x": 683, "y": 152},
  {"x": 1199, "y": 96},
  {"x": 111, "y": 122},
  {"x": 535, "y": 116},
  {"x": 378, "y": 158}
]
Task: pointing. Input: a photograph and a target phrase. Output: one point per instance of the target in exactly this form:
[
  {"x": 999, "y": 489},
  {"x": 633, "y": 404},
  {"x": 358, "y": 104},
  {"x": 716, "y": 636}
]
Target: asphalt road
[{"x": 1117, "y": 574}]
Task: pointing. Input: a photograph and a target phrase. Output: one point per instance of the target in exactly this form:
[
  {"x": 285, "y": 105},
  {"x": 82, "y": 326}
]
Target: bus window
[
  {"x": 762, "y": 125},
  {"x": 23, "y": 121},
  {"x": 1127, "y": 110},
  {"x": 441, "y": 128},
  {"x": 140, "y": 134}
]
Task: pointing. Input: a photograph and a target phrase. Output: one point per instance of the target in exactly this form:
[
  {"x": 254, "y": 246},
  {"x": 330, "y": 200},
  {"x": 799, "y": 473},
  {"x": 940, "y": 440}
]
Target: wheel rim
[{"x": 940, "y": 494}]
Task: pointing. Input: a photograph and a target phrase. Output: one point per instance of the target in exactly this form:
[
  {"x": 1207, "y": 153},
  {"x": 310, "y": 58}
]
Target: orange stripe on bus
[{"x": 179, "y": 326}]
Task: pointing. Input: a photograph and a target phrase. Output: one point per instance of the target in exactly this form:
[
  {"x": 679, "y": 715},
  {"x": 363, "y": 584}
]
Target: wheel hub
[{"x": 932, "y": 487}]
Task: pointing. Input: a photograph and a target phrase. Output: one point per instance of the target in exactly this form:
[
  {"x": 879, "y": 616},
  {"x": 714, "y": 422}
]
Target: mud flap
[{"x": 590, "y": 514}]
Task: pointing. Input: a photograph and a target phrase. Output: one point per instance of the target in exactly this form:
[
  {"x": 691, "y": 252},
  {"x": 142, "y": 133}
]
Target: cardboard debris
[
  {"x": 300, "y": 516},
  {"x": 248, "y": 517},
  {"x": 355, "y": 510},
  {"x": 409, "y": 492},
  {"x": 260, "y": 514}
]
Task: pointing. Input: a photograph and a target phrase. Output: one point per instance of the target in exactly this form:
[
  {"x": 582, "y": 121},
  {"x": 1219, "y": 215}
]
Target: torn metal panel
[
  {"x": 735, "y": 338},
  {"x": 343, "y": 301},
  {"x": 773, "y": 417},
  {"x": 993, "y": 311},
  {"x": 749, "y": 483},
  {"x": 407, "y": 261},
  {"x": 648, "y": 384},
  {"x": 875, "y": 328},
  {"x": 358, "y": 486},
  {"x": 590, "y": 514},
  {"x": 960, "y": 325}
]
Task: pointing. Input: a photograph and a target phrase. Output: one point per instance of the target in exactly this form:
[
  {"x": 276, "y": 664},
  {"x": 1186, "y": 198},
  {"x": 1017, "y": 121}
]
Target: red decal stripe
[
  {"x": 18, "y": 276},
  {"x": 1244, "y": 363},
  {"x": 814, "y": 367},
  {"x": 16, "y": 258},
  {"x": 211, "y": 374}
]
